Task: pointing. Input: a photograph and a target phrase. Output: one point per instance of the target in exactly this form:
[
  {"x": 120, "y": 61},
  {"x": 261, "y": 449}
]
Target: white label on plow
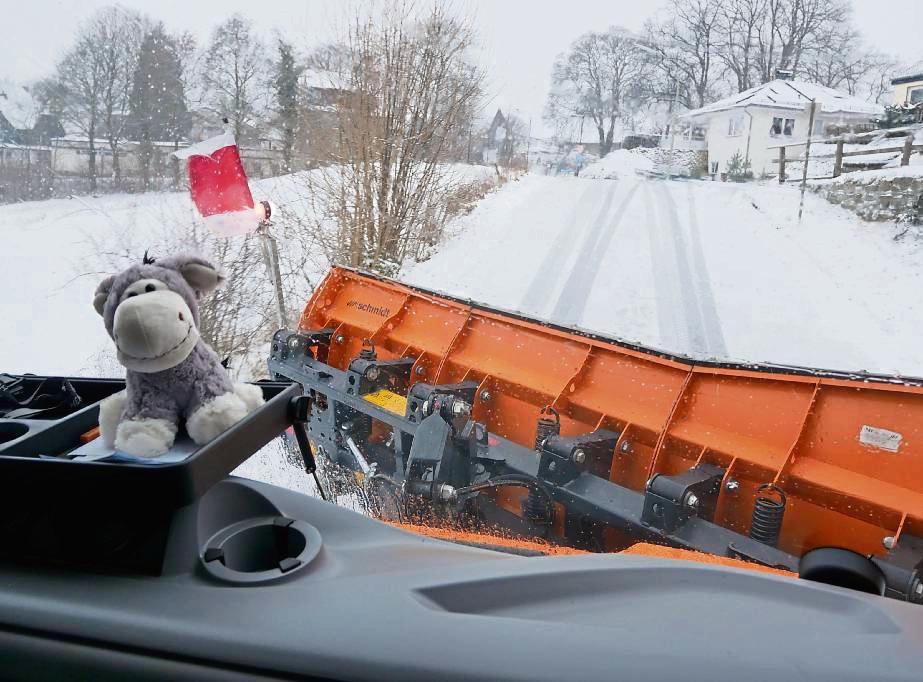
[{"x": 880, "y": 438}]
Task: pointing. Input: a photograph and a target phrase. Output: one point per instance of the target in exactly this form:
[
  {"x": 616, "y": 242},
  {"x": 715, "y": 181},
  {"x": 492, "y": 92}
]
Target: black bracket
[
  {"x": 562, "y": 459},
  {"x": 300, "y": 413},
  {"x": 368, "y": 375},
  {"x": 301, "y": 345},
  {"x": 670, "y": 500}
]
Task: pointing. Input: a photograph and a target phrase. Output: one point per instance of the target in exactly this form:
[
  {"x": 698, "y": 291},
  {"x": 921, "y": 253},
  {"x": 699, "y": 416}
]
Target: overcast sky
[{"x": 521, "y": 37}]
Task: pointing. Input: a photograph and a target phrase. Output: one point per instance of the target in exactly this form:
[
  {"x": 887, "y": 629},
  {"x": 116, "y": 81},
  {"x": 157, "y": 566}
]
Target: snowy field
[{"x": 711, "y": 270}]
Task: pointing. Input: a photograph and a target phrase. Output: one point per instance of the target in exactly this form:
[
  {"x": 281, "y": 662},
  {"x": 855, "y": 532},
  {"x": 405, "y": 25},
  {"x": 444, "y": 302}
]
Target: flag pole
[{"x": 270, "y": 248}]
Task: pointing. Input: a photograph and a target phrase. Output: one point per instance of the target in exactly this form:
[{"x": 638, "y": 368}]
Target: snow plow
[{"x": 471, "y": 415}]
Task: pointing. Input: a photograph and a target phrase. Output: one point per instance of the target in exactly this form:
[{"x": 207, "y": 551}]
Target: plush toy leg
[
  {"x": 145, "y": 437},
  {"x": 250, "y": 394},
  {"x": 215, "y": 417},
  {"x": 110, "y": 412}
]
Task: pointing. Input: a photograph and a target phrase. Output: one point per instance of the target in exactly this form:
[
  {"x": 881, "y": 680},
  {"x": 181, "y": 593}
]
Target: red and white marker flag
[{"x": 218, "y": 185}]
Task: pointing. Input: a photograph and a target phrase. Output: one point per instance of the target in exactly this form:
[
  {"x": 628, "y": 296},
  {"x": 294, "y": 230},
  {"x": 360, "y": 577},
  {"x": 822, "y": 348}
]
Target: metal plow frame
[{"x": 599, "y": 443}]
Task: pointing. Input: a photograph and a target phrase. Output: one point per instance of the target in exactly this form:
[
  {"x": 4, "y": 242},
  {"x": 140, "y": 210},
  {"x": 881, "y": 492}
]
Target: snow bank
[
  {"x": 914, "y": 170},
  {"x": 618, "y": 163}
]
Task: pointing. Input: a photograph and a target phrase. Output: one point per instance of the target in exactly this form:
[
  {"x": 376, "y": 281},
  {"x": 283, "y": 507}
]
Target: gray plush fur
[{"x": 177, "y": 392}]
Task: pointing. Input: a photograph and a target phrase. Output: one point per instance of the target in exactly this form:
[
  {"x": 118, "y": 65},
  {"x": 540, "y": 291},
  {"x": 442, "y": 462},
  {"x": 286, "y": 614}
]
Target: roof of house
[
  {"x": 784, "y": 94},
  {"x": 17, "y": 104},
  {"x": 900, "y": 80}
]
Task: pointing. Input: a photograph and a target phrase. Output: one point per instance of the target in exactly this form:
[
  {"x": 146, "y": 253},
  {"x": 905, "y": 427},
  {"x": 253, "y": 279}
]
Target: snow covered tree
[
  {"x": 738, "y": 169},
  {"x": 234, "y": 74},
  {"x": 157, "y": 103},
  {"x": 285, "y": 87},
  {"x": 600, "y": 78}
]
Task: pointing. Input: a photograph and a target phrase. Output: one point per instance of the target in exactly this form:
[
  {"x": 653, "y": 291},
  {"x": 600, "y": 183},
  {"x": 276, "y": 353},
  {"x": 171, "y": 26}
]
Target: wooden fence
[{"x": 906, "y": 149}]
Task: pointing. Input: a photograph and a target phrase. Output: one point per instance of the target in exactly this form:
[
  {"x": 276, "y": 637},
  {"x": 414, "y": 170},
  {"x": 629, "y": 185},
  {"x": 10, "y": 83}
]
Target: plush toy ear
[
  {"x": 201, "y": 276},
  {"x": 102, "y": 293}
]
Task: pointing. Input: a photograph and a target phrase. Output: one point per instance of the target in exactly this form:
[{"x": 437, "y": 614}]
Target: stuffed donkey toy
[{"x": 151, "y": 311}]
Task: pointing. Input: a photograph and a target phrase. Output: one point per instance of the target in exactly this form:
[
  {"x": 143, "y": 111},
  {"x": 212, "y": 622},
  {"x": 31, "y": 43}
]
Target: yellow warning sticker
[{"x": 389, "y": 401}]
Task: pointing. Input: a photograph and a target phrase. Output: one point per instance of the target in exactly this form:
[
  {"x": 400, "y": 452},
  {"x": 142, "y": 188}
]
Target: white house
[{"x": 756, "y": 121}]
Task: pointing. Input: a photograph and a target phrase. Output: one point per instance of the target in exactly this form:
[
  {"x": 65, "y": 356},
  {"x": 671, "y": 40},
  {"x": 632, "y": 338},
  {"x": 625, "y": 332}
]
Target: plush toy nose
[{"x": 152, "y": 325}]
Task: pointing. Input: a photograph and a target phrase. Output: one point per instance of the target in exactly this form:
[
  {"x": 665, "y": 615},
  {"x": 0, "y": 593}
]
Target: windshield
[{"x": 679, "y": 239}]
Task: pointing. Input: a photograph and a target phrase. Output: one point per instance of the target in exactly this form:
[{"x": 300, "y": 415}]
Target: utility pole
[
  {"x": 673, "y": 129},
  {"x": 807, "y": 159}
]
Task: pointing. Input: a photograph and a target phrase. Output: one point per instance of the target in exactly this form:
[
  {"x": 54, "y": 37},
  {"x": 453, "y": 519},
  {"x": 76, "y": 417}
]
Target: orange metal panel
[{"x": 799, "y": 431}]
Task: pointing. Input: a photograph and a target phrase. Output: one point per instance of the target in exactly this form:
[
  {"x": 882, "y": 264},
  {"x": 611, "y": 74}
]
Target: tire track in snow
[
  {"x": 706, "y": 295},
  {"x": 666, "y": 299},
  {"x": 536, "y": 298},
  {"x": 573, "y": 297},
  {"x": 703, "y": 329}
]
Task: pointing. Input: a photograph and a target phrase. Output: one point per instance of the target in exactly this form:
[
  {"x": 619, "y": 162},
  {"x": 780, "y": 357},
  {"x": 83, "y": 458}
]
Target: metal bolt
[
  {"x": 447, "y": 493},
  {"x": 692, "y": 501},
  {"x": 420, "y": 370},
  {"x": 552, "y": 466},
  {"x": 579, "y": 456},
  {"x": 372, "y": 373},
  {"x": 460, "y": 407},
  {"x": 625, "y": 447},
  {"x": 485, "y": 395},
  {"x": 888, "y": 542},
  {"x": 731, "y": 485},
  {"x": 340, "y": 338}
]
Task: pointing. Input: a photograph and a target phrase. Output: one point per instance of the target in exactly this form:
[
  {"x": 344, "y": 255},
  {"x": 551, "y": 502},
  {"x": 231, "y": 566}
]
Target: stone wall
[{"x": 876, "y": 195}]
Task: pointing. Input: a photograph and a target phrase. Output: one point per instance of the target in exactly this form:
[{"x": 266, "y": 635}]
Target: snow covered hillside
[
  {"x": 711, "y": 270},
  {"x": 56, "y": 252}
]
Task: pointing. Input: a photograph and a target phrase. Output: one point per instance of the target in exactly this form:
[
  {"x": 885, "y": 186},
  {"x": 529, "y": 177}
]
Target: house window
[
  {"x": 776, "y": 128},
  {"x": 735, "y": 126},
  {"x": 819, "y": 126},
  {"x": 915, "y": 96},
  {"x": 714, "y": 167},
  {"x": 789, "y": 126}
]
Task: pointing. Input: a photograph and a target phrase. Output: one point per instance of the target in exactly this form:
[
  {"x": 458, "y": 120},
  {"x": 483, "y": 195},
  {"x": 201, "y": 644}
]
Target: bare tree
[
  {"x": 789, "y": 28},
  {"x": 740, "y": 23},
  {"x": 597, "y": 78},
  {"x": 92, "y": 82},
  {"x": 407, "y": 86},
  {"x": 118, "y": 34},
  {"x": 332, "y": 58},
  {"x": 234, "y": 74},
  {"x": 843, "y": 62},
  {"x": 687, "y": 41}
]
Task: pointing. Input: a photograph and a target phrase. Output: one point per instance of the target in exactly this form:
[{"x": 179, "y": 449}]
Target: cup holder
[
  {"x": 260, "y": 550},
  {"x": 11, "y": 431}
]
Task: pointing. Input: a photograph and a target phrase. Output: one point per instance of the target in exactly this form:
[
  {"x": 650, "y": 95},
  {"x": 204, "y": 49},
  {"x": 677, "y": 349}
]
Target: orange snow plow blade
[{"x": 840, "y": 454}]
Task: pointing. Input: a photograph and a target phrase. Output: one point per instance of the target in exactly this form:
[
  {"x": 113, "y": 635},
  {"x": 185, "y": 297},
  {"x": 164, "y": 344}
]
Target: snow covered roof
[
  {"x": 783, "y": 94},
  {"x": 321, "y": 80},
  {"x": 17, "y": 104}
]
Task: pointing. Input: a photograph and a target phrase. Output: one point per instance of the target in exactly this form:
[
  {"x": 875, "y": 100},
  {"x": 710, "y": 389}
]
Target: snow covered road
[{"x": 711, "y": 270}]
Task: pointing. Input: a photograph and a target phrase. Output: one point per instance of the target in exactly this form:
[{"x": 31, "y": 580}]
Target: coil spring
[
  {"x": 547, "y": 426},
  {"x": 536, "y": 506},
  {"x": 768, "y": 513}
]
